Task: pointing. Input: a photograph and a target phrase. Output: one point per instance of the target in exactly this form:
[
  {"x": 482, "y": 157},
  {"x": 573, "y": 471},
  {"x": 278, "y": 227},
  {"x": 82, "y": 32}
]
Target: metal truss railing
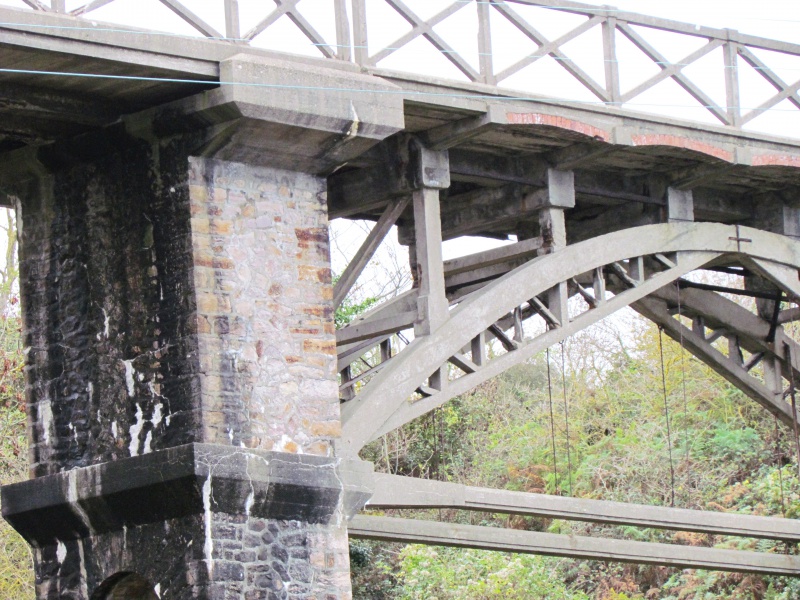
[{"x": 738, "y": 49}]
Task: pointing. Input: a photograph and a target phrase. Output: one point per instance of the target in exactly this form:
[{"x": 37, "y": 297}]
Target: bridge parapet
[{"x": 350, "y": 32}]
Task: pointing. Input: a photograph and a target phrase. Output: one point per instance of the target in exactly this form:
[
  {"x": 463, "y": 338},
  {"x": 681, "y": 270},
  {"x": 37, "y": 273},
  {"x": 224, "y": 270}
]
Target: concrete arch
[{"x": 382, "y": 404}]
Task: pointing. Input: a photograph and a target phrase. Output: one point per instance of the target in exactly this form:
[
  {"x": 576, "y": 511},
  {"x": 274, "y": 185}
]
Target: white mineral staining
[
  {"x": 135, "y": 430},
  {"x": 129, "y": 370},
  {"x": 46, "y": 414},
  {"x": 61, "y": 552}
]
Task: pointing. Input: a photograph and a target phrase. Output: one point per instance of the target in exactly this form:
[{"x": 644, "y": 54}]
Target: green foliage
[
  {"x": 725, "y": 456},
  {"x": 350, "y": 309},
  {"x": 16, "y": 569},
  {"x": 429, "y": 573}
]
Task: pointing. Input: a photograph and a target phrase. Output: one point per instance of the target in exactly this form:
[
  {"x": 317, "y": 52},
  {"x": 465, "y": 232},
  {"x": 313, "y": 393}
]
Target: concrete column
[
  {"x": 432, "y": 302},
  {"x": 181, "y": 367},
  {"x": 558, "y": 197},
  {"x": 680, "y": 205}
]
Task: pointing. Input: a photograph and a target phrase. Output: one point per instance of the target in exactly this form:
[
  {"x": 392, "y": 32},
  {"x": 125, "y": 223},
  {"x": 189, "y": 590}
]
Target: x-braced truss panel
[
  {"x": 521, "y": 309},
  {"x": 739, "y": 61}
]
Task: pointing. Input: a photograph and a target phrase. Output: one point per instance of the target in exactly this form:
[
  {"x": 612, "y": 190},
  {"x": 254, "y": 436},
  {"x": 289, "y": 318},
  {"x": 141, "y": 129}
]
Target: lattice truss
[
  {"x": 241, "y": 21},
  {"x": 508, "y": 304},
  {"x": 734, "y": 341},
  {"x": 604, "y": 55},
  {"x": 604, "y": 32}
]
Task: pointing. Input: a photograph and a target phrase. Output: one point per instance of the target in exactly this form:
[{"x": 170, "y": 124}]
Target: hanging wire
[
  {"x": 683, "y": 380},
  {"x": 566, "y": 414},
  {"x": 780, "y": 465},
  {"x": 793, "y": 395},
  {"x": 552, "y": 424},
  {"x": 666, "y": 414}
]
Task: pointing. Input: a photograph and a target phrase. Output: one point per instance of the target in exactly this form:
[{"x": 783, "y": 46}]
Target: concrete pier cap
[
  {"x": 269, "y": 112},
  {"x": 181, "y": 387}
]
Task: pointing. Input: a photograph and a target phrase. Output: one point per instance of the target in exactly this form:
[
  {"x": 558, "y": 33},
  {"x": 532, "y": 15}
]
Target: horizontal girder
[
  {"x": 569, "y": 546},
  {"x": 395, "y": 491}
]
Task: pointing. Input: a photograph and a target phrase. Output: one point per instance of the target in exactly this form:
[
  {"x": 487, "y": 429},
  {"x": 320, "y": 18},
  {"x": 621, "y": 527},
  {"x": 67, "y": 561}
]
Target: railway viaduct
[{"x": 195, "y": 419}]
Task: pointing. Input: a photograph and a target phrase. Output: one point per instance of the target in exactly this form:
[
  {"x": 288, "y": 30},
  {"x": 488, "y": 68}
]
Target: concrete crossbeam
[
  {"x": 395, "y": 491},
  {"x": 533, "y": 542}
]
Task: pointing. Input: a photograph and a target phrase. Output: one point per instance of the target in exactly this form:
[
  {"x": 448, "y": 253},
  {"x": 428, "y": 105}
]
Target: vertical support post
[
  {"x": 773, "y": 375},
  {"x": 437, "y": 379},
  {"x": 59, "y": 6},
  {"x": 637, "y": 269},
  {"x": 347, "y": 376},
  {"x": 552, "y": 224},
  {"x": 680, "y": 205},
  {"x": 699, "y": 327},
  {"x": 232, "y": 23},
  {"x": 360, "y": 42},
  {"x": 610, "y": 57},
  {"x": 485, "y": 42},
  {"x": 734, "y": 351},
  {"x": 432, "y": 306},
  {"x": 519, "y": 333},
  {"x": 732, "y": 90},
  {"x": 479, "y": 349},
  {"x": 599, "y": 285},
  {"x": 386, "y": 350},
  {"x": 551, "y": 221},
  {"x": 343, "y": 50}
]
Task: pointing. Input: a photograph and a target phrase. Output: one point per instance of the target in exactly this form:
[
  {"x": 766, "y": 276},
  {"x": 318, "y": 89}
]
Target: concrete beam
[
  {"x": 395, "y": 491},
  {"x": 533, "y": 542},
  {"x": 405, "y": 166},
  {"x": 168, "y": 484},
  {"x": 732, "y": 371}
]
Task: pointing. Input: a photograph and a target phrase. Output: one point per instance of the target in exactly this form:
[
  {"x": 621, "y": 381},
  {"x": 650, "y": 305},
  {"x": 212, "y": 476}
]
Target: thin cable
[
  {"x": 779, "y": 453},
  {"x": 498, "y": 97},
  {"x": 793, "y": 395},
  {"x": 683, "y": 380},
  {"x": 552, "y": 424},
  {"x": 566, "y": 414},
  {"x": 666, "y": 414}
]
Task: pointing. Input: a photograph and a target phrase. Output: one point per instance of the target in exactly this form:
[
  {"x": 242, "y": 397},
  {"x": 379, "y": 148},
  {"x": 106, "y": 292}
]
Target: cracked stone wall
[
  {"x": 252, "y": 559},
  {"x": 170, "y": 300},
  {"x": 108, "y": 309},
  {"x": 265, "y": 316}
]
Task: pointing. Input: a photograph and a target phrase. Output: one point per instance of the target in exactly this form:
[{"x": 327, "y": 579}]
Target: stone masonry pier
[{"x": 181, "y": 358}]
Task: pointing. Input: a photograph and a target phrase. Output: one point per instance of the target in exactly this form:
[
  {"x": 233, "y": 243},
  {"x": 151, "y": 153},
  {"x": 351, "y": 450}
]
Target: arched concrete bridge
[{"x": 188, "y": 439}]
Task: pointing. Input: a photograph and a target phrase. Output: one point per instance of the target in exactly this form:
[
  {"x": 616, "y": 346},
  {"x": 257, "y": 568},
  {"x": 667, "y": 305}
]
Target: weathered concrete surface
[
  {"x": 264, "y": 314},
  {"x": 198, "y": 521},
  {"x": 172, "y": 297}
]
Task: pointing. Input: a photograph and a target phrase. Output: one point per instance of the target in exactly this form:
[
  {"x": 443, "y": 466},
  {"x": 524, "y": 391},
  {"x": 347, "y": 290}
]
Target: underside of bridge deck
[{"x": 174, "y": 196}]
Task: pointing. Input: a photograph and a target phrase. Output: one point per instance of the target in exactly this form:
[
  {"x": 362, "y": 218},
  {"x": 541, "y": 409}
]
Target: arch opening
[{"x": 125, "y": 586}]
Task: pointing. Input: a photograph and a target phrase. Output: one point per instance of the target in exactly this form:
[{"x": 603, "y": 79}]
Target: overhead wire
[
  {"x": 566, "y": 415},
  {"x": 666, "y": 415},
  {"x": 401, "y": 92},
  {"x": 556, "y": 482}
]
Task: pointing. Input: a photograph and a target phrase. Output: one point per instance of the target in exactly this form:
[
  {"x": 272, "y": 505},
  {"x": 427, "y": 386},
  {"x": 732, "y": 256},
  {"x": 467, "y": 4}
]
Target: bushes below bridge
[{"x": 726, "y": 456}]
